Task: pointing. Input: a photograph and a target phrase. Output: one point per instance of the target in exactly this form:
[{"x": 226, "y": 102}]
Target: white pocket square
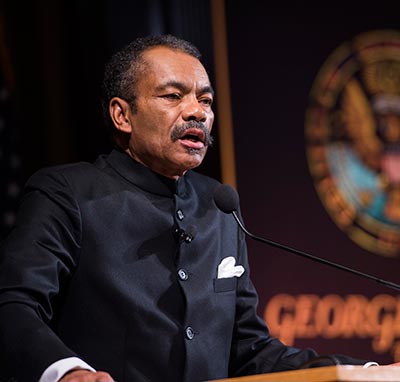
[{"x": 227, "y": 268}]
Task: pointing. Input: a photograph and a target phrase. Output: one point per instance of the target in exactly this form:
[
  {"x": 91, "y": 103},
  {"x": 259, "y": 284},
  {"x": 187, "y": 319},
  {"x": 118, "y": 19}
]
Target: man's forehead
[
  {"x": 172, "y": 66},
  {"x": 160, "y": 56}
]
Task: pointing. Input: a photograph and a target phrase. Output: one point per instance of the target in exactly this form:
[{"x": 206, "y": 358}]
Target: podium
[{"x": 342, "y": 373}]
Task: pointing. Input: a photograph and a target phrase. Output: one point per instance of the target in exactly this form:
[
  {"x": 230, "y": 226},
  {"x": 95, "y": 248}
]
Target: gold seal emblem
[{"x": 352, "y": 129}]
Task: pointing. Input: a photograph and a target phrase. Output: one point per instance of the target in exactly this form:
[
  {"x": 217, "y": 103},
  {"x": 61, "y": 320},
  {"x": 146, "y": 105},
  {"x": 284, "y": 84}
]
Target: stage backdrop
[
  {"x": 331, "y": 191},
  {"x": 316, "y": 110}
]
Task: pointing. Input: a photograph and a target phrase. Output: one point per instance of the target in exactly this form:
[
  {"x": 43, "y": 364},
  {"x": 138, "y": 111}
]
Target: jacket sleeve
[
  {"x": 37, "y": 260},
  {"x": 253, "y": 349}
]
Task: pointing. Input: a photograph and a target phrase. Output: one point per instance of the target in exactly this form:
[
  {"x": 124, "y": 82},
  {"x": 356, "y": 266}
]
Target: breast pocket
[{"x": 225, "y": 285}]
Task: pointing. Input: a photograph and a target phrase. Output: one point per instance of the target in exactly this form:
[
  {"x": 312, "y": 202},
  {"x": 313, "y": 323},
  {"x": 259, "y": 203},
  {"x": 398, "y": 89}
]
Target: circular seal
[{"x": 352, "y": 129}]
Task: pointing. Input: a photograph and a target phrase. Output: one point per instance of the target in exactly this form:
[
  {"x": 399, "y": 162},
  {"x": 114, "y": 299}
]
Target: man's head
[
  {"x": 157, "y": 98},
  {"x": 125, "y": 67}
]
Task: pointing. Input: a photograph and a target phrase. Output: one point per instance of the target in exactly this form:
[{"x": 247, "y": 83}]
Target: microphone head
[{"x": 226, "y": 198}]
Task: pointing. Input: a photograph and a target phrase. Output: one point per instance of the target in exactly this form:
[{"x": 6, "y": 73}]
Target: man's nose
[{"x": 194, "y": 111}]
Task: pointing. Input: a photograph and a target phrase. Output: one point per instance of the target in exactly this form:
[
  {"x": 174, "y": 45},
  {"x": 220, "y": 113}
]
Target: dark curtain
[{"x": 57, "y": 51}]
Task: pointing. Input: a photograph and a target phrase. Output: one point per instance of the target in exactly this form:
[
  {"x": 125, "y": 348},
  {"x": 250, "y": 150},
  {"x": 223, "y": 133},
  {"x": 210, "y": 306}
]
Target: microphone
[
  {"x": 186, "y": 236},
  {"x": 227, "y": 200}
]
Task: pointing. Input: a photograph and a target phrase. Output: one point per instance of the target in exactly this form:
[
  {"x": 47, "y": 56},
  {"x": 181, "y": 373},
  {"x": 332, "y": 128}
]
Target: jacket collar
[{"x": 142, "y": 177}]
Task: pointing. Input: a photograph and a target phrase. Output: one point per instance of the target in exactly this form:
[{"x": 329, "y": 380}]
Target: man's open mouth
[{"x": 193, "y": 138}]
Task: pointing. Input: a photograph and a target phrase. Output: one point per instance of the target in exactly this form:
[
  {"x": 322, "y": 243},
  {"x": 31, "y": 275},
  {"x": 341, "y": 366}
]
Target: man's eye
[
  {"x": 206, "y": 101},
  {"x": 173, "y": 96}
]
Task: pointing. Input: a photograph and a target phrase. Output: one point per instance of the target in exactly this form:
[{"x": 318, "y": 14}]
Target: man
[{"x": 126, "y": 265}]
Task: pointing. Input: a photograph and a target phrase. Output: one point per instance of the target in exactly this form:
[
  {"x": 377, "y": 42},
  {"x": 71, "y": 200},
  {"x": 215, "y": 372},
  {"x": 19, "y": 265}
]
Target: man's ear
[{"x": 119, "y": 110}]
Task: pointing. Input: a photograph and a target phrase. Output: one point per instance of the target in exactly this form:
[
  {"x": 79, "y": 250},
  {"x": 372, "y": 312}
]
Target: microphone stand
[{"x": 312, "y": 257}]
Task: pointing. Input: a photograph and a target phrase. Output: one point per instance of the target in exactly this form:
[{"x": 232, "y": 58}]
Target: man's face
[{"x": 173, "y": 118}]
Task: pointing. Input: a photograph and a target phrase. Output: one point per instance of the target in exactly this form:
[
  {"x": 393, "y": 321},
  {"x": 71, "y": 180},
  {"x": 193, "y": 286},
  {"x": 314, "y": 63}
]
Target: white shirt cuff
[
  {"x": 369, "y": 364},
  {"x": 57, "y": 369}
]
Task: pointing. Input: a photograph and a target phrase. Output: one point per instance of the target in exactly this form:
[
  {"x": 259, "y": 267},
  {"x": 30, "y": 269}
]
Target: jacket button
[
  {"x": 183, "y": 275},
  {"x": 180, "y": 214},
  {"x": 189, "y": 333}
]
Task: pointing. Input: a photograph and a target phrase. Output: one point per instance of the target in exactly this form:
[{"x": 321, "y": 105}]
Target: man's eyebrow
[
  {"x": 182, "y": 87},
  {"x": 207, "y": 89}
]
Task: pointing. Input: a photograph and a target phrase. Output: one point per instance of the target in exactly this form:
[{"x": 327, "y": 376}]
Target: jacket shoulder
[
  {"x": 67, "y": 172},
  {"x": 76, "y": 178}
]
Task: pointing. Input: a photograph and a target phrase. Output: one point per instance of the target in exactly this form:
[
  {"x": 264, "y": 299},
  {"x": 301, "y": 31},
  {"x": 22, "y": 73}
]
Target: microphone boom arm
[{"x": 315, "y": 258}]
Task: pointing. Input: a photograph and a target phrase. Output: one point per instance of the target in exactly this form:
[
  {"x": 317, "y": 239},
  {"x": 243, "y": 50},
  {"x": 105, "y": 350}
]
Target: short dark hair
[{"x": 122, "y": 71}]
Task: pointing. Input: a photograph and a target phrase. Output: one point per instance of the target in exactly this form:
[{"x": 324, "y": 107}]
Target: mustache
[{"x": 179, "y": 130}]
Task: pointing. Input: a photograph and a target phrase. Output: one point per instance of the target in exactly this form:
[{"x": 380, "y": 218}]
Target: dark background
[
  {"x": 57, "y": 50},
  {"x": 275, "y": 53}
]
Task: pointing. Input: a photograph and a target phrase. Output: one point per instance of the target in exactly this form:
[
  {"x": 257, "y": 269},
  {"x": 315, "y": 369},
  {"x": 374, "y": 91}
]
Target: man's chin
[
  {"x": 194, "y": 160},
  {"x": 184, "y": 161},
  {"x": 187, "y": 165}
]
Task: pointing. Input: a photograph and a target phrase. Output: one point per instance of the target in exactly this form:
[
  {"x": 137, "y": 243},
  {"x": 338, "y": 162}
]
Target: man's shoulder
[
  {"x": 70, "y": 173},
  {"x": 69, "y": 170}
]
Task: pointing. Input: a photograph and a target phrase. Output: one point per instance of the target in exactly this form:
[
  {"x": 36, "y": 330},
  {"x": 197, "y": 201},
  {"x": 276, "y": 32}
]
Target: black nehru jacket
[{"x": 95, "y": 269}]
